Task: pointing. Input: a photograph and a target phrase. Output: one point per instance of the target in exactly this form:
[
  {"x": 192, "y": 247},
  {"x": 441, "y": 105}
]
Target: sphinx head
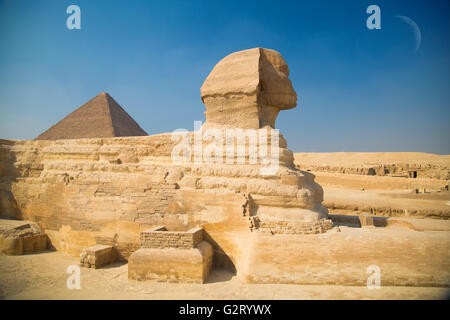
[{"x": 247, "y": 89}]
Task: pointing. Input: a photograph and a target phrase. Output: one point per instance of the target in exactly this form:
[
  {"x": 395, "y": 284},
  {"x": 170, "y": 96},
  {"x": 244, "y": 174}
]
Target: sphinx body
[{"x": 247, "y": 90}]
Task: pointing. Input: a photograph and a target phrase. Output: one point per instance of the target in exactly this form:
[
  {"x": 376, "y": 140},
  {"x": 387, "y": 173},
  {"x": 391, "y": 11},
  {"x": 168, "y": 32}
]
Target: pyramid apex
[{"x": 100, "y": 117}]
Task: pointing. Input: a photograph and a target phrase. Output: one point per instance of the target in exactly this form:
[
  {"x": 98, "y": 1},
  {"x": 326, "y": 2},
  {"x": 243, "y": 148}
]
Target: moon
[{"x": 415, "y": 29}]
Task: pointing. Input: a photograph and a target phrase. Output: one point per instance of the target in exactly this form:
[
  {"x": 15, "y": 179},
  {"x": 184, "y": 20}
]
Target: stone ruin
[
  {"x": 18, "y": 237},
  {"x": 107, "y": 191},
  {"x": 171, "y": 256},
  {"x": 97, "y": 256}
]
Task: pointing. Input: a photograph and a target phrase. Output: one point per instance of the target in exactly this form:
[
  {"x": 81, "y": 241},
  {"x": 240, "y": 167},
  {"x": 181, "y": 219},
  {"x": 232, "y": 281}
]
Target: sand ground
[{"x": 43, "y": 276}]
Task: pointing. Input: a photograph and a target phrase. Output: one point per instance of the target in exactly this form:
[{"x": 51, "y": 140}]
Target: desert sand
[{"x": 43, "y": 276}]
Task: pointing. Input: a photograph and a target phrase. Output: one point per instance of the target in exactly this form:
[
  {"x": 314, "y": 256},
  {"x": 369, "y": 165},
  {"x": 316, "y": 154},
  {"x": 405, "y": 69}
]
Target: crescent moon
[{"x": 415, "y": 29}]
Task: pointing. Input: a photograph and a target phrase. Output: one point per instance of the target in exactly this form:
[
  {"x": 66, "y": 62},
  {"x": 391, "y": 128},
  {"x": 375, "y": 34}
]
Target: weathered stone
[
  {"x": 17, "y": 237},
  {"x": 401, "y": 164},
  {"x": 247, "y": 89},
  {"x": 174, "y": 256},
  {"x": 8, "y": 206},
  {"x": 159, "y": 237},
  {"x": 366, "y": 220},
  {"x": 174, "y": 265},
  {"x": 98, "y": 256}
]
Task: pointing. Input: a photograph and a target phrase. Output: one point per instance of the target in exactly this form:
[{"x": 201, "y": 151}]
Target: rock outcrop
[
  {"x": 390, "y": 164},
  {"x": 17, "y": 237}
]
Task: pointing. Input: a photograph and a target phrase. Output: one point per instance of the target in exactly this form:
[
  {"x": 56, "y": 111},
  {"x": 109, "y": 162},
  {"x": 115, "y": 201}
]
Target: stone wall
[
  {"x": 175, "y": 256},
  {"x": 395, "y": 170},
  {"x": 296, "y": 228},
  {"x": 159, "y": 237},
  {"x": 389, "y": 164},
  {"x": 191, "y": 265}
]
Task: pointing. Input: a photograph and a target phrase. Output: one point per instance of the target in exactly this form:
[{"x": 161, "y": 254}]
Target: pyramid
[{"x": 100, "y": 117}]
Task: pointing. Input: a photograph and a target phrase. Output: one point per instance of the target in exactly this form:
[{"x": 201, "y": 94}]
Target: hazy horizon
[{"x": 359, "y": 90}]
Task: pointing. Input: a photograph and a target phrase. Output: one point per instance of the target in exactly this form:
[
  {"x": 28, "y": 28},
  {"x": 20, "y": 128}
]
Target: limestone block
[
  {"x": 97, "y": 256},
  {"x": 17, "y": 237},
  {"x": 35, "y": 243},
  {"x": 366, "y": 220},
  {"x": 159, "y": 237},
  {"x": 10, "y": 246},
  {"x": 172, "y": 265}
]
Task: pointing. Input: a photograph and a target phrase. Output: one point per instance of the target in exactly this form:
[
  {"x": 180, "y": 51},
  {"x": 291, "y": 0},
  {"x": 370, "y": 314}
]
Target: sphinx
[{"x": 106, "y": 190}]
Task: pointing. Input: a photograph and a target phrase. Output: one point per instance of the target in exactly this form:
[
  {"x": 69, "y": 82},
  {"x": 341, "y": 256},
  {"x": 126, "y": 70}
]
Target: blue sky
[{"x": 358, "y": 89}]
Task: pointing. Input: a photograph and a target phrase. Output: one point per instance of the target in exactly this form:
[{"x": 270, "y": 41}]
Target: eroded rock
[{"x": 17, "y": 237}]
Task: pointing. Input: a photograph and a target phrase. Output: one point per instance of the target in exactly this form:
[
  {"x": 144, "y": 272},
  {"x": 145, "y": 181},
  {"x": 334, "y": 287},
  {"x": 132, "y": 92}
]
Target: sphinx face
[{"x": 275, "y": 91}]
